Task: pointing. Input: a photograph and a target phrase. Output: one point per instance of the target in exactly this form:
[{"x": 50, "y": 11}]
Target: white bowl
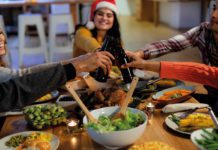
[
  {"x": 67, "y": 104},
  {"x": 116, "y": 139}
]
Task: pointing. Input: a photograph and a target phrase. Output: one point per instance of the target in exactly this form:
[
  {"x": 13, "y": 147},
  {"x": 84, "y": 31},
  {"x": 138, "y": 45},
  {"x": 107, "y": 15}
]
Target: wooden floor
[{"x": 135, "y": 35}]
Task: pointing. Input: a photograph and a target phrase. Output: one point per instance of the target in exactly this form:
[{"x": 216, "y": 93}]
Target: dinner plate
[
  {"x": 47, "y": 97},
  {"x": 168, "y": 83},
  {"x": 198, "y": 135},
  {"x": 174, "y": 100},
  {"x": 172, "y": 125},
  {"x": 54, "y": 141}
]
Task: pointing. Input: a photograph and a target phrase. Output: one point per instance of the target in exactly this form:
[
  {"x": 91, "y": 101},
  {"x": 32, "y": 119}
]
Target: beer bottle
[
  {"x": 120, "y": 59},
  {"x": 99, "y": 75}
]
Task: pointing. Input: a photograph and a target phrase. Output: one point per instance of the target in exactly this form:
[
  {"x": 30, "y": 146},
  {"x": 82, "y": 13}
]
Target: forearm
[
  {"x": 174, "y": 44},
  {"x": 7, "y": 73},
  {"x": 162, "y": 47},
  {"x": 19, "y": 92},
  {"x": 152, "y": 66},
  {"x": 189, "y": 71}
]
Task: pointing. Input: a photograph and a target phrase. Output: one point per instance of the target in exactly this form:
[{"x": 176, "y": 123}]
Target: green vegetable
[
  {"x": 104, "y": 124},
  {"x": 15, "y": 141},
  {"x": 176, "y": 95},
  {"x": 209, "y": 139},
  {"x": 175, "y": 119},
  {"x": 42, "y": 116}
]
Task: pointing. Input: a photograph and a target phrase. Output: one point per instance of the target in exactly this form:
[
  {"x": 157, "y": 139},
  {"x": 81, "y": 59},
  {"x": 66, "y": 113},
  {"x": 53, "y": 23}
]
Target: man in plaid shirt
[{"x": 204, "y": 36}]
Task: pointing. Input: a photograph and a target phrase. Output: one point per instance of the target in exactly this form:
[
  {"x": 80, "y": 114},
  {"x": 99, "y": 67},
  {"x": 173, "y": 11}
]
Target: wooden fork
[
  {"x": 81, "y": 104},
  {"x": 121, "y": 113}
]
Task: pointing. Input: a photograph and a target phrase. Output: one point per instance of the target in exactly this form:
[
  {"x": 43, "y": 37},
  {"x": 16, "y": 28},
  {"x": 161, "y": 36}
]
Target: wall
[
  {"x": 180, "y": 14},
  {"x": 126, "y": 7}
]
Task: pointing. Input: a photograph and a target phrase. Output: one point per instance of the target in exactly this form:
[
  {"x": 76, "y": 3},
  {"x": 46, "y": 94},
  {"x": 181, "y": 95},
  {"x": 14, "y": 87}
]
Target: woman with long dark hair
[{"x": 104, "y": 22}]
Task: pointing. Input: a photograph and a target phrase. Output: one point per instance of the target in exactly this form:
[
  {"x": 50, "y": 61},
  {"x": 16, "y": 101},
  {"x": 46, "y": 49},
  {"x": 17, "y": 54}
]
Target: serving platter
[{"x": 157, "y": 96}]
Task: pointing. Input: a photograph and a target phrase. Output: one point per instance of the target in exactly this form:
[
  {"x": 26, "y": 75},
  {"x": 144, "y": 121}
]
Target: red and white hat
[{"x": 97, "y": 4}]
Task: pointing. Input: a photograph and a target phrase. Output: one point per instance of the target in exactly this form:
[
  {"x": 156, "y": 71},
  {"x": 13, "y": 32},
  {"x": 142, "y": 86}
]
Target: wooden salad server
[
  {"x": 121, "y": 113},
  {"x": 81, "y": 104}
]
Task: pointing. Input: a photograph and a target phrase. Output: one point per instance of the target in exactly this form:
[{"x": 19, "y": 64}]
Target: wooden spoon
[
  {"x": 121, "y": 113},
  {"x": 81, "y": 104}
]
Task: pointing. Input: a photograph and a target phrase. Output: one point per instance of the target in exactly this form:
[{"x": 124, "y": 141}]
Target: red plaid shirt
[{"x": 200, "y": 36}]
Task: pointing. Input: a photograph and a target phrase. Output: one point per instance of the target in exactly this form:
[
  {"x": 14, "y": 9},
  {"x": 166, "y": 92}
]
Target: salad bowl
[{"x": 116, "y": 139}]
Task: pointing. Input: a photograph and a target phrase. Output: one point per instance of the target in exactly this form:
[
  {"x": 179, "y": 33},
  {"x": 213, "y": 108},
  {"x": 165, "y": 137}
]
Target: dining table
[{"x": 156, "y": 130}]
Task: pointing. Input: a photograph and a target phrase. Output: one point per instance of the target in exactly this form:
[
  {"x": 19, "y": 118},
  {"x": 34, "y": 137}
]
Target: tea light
[{"x": 72, "y": 125}]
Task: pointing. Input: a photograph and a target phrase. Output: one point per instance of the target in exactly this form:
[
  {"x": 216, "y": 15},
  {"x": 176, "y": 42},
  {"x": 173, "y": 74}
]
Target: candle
[{"x": 72, "y": 125}]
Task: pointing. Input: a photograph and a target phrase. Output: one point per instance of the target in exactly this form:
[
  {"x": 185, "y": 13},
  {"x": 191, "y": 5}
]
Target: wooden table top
[{"x": 156, "y": 130}]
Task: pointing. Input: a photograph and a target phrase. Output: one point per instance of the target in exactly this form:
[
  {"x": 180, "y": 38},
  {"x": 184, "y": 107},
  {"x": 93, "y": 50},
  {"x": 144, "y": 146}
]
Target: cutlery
[
  {"x": 153, "y": 81},
  {"x": 81, "y": 104},
  {"x": 121, "y": 113},
  {"x": 213, "y": 117}
]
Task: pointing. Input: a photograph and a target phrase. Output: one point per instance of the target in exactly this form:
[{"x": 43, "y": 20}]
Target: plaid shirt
[{"x": 200, "y": 36}]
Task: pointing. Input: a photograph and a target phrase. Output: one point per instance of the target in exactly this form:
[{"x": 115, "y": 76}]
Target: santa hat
[{"x": 97, "y": 4}]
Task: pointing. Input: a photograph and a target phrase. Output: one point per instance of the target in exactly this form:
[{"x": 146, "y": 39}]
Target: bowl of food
[
  {"x": 173, "y": 95},
  {"x": 118, "y": 133},
  {"x": 43, "y": 116},
  {"x": 66, "y": 101}
]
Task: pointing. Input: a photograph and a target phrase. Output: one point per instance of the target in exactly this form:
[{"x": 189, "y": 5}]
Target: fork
[{"x": 213, "y": 117}]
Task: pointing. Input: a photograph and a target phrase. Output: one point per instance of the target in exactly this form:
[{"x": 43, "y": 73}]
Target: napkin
[
  {"x": 144, "y": 74},
  {"x": 182, "y": 107}
]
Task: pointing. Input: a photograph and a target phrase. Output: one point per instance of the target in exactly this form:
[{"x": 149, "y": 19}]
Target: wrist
[
  {"x": 145, "y": 54},
  {"x": 77, "y": 67},
  {"x": 152, "y": 66}
]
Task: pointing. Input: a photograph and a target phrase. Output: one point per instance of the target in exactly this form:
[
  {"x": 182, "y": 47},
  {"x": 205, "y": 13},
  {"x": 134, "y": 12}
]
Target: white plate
[
  {"x": 197, "y": 135},
  {"x": 172, "y": 125},
  {"x": 11, "y": 113},
  {"x": 66, "y": 103},
  {"x": 54, "y": 141}
]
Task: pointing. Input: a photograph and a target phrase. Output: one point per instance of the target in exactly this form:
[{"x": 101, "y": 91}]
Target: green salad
[{"x": 105, "y": 124}]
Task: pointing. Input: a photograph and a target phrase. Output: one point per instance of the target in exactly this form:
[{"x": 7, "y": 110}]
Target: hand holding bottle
[
  {"x": 91, "y": 61},
  {"x": 140, "y": 63}
]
